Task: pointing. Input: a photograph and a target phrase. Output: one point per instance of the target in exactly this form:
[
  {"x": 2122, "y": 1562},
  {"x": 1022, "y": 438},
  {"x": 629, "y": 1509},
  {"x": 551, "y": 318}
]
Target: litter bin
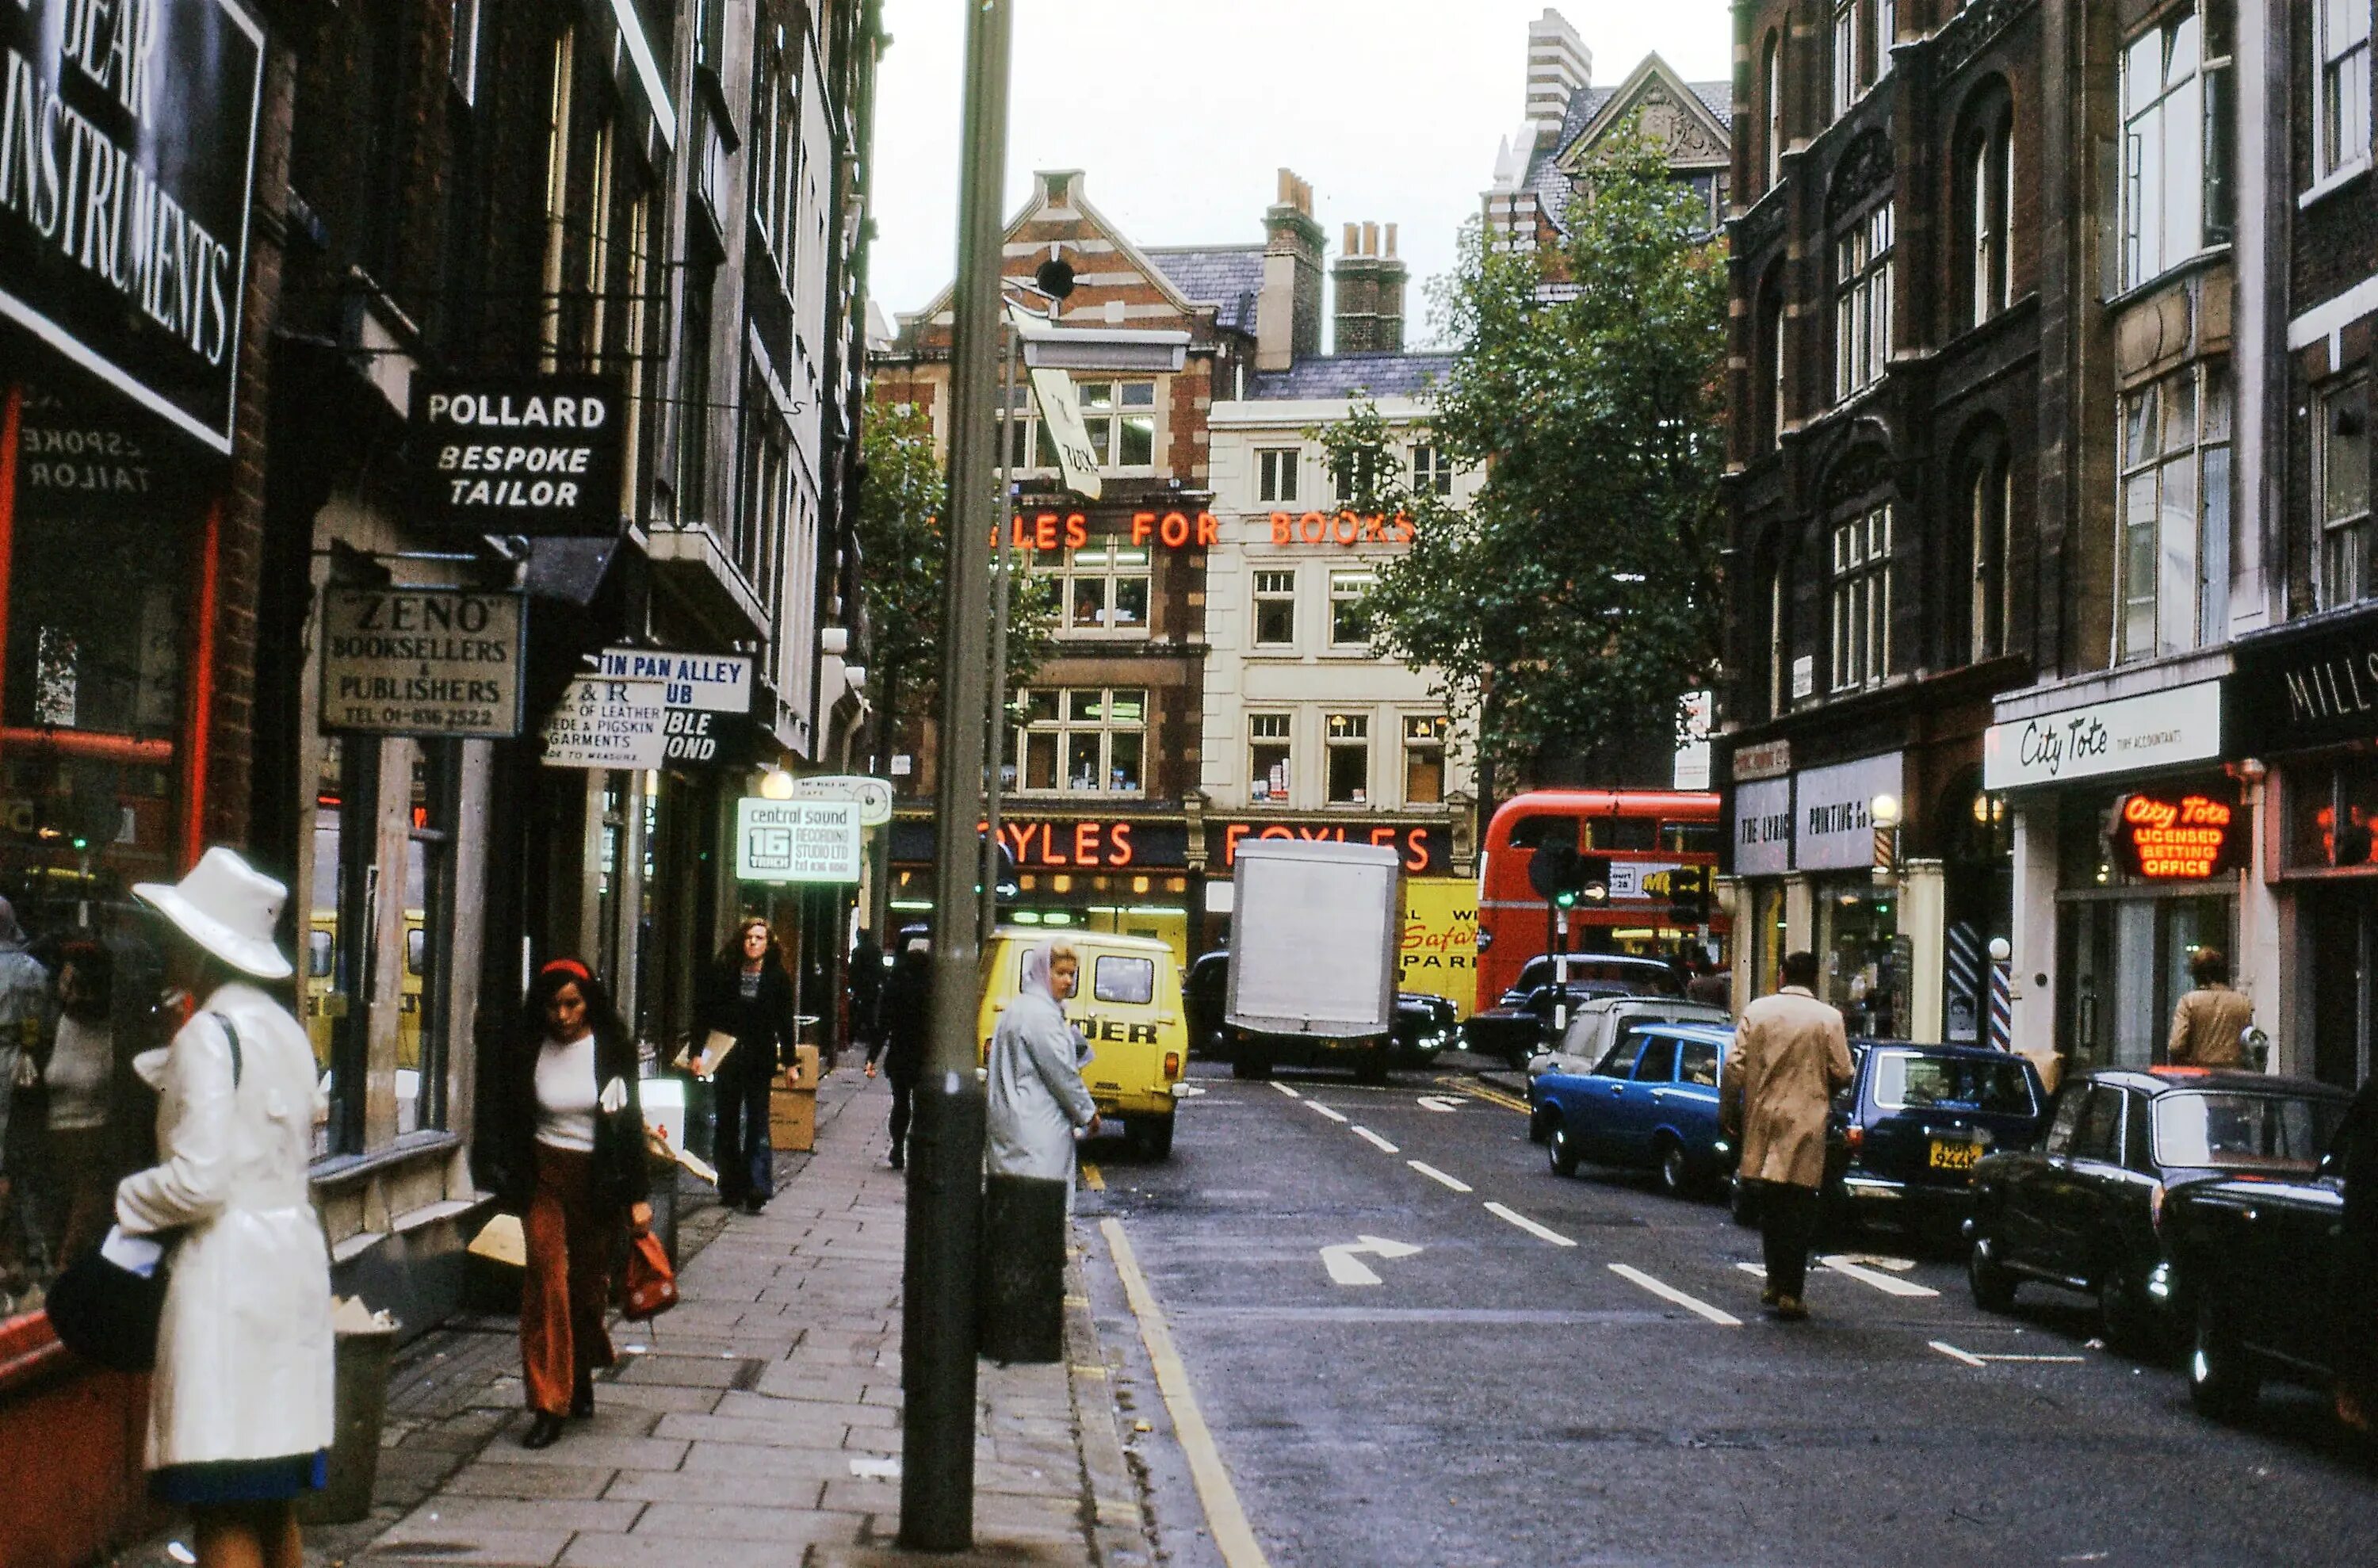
[
  {"x": 1023, "y": 1271},
  {"x": 366, "y": 1346}
]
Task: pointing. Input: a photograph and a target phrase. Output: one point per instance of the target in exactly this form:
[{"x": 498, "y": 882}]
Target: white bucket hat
[{"x": 228, "y": 907}]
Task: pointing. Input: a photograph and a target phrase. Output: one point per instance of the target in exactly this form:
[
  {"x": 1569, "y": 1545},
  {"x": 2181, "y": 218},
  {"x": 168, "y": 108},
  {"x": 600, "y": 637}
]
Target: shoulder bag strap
[{"x": 231, "y": 1038}]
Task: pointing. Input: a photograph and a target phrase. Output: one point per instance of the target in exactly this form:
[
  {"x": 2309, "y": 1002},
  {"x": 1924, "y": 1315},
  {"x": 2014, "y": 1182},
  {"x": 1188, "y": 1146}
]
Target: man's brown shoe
[
  {"x": 1791, "y": 1308},
  {"x": 1770, "y": 1295}
]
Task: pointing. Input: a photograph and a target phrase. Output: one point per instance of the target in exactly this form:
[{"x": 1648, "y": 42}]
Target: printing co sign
[{"x": 128, "y": 148}]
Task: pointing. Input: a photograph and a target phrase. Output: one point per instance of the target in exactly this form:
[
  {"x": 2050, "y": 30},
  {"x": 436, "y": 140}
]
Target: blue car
[{"x": 1651, "y": 1101}]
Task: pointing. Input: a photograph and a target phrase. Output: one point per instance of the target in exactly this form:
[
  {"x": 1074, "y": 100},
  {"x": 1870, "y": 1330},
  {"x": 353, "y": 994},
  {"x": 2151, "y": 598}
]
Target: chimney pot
[
  {"x": 1351, "y": 233},
  {"x": 1370, "y": 239},
  {"x": 1391, "y": 241}
]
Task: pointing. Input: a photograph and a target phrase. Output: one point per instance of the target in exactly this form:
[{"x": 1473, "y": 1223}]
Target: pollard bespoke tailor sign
[
  {"x": 2178, "y": 838},
  {"x": 518, "y": 454},
  {"x": 421, "y": 661},
  {"x": 128, "y": 146}
]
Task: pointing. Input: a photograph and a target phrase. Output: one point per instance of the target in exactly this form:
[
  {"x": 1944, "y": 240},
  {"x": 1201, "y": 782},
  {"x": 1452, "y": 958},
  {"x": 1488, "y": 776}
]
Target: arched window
[
  {"x": 1983, "y": 532},
  {"x": 1985, "y": 179},
  {"x": 1860, "y": 217},
  {"x": 1775, "y": 621},
  {"x": 1772, "y": 73},
  {"x": 1767, "y": 389}
]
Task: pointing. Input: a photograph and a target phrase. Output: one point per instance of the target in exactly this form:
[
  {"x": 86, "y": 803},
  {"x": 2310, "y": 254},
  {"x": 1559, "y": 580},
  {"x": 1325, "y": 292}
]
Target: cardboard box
[
  {"x": 792, "y": 1118},
  {"x": 805, "y": 1068}
]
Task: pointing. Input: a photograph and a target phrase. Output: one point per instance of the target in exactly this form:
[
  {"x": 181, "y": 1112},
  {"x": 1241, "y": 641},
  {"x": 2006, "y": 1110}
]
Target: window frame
[
  {"x": 1425, "y": 735},
  {"x": 2203, "y": 95},
  {"x": 1269, "y": 732},
  {"x": 1344, "y": 734},
  {"x": 1861, "y": 595},
  {"x": 2336, "y": 69},
  {"x": 1276, "y": 470},
  {"x": 1074, "y": 571},
  {"x": 1106, "y": 420},
  {"x": 1061, "y": 728},
  {"x": 1432, "y": 471},
  {"x": 1846, "y": 66},
  {"x": 1864, "y": 248},
  {"x": 2152, "y": 530},
  {"x": 1774, "y": 80},
  {"x": 1272, "y": 587},
  {"x": 2334, "y": 525},
  {"x": 1350, "y": 587}
]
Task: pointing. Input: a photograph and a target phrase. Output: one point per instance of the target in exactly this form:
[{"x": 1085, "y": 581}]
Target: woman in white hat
[{"x": 240, "y": 1413}]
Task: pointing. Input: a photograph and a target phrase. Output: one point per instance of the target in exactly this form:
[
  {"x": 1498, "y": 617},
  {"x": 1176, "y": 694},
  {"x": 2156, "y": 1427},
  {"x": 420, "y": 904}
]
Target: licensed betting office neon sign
[{"x": 2183, "y": 840}]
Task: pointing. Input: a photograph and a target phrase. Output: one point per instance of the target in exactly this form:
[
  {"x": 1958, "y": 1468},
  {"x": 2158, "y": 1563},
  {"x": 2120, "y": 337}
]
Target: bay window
[{"x": 2175, "y": 513}]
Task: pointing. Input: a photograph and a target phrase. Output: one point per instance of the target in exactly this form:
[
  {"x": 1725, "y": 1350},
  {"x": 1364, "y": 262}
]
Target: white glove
[
  {"x": 615, "y": 1097},
  {"x": 133, "y": 1254}
]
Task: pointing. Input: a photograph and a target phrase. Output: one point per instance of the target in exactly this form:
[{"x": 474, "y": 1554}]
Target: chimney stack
[
  {"x": 1370, "y": 284},
  {"x": 1558, "y": 63},
  {"x": 1288, "y": 310}
]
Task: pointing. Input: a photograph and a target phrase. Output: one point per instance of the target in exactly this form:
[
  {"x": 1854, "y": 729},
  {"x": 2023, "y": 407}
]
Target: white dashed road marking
[
  {"x": 1543, "y": 1231},
  {"x": 1438, "y": 1175},
  {"x": 1333, "y": 1115},
  {"x": 1374, "y": 1140},
  {"x": 1667, "y": 1292},
  {"x": 1984, "y": 1359},
  {"x": 1286, "y": 1090},
  {"x": 1890, "y": 1285},
  {"x": 1441, "y": 1101}
]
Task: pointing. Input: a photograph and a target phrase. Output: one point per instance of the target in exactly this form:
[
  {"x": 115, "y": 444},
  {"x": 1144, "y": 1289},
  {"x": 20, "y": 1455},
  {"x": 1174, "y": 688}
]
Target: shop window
[
  {"x": 1862, "y": 290},
  {"x": 2343, "y": 28},
  {"x": 1121, "y": 419},
  {"x": 2332, "y": 815},
  {"x": 1349, "y": 759},
  {"x": 2344, "y": 459},
  {"x": 1267, "y": 756},
  {"x": 1432, "y": 470},
  {"x": 1105, "y": 590},
  {"x": 1082, "y": 740},
  {"x": 2128, "y": 960},
  {"x": 1858, "y": 927},
  {"x": 1862, "y": 599},
  {"x": 1275, "y": 609},
  {"x": 1424, "y": 738},
  {"x": 1350, "y": 616},
  {"x": 422, "y": 1024},
  {"x": 2176, "y": 140},
  {"x": 345, "y": 894},
  {"x": 1276, "y": 472},
  {"x": 2175, "y": 500}
]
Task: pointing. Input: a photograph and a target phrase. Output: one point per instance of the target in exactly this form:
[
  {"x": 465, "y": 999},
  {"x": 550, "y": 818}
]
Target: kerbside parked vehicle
[{"x": 1313, "y": 956}]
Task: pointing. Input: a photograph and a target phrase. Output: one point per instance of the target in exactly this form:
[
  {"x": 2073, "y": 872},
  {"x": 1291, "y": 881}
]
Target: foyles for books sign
[{"x": 128, "y": 148}]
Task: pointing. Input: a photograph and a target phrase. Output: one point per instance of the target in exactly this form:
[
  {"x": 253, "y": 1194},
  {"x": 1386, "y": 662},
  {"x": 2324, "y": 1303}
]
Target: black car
[
  {"x": 2084, "y": 1209},
  {"x": 1424, "y": 1025},
  {"x": 1622, "y": 974},
  {"x": 2257, "y": 1257},
  {"x": 1914, "y": 1123},
  {"x": 1526, "y": 1022},
  {"x": 1205, "y": 992}
]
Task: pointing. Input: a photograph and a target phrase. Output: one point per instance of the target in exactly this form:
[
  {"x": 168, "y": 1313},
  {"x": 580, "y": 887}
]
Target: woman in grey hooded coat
[{"x": 1037, "y": 1096}]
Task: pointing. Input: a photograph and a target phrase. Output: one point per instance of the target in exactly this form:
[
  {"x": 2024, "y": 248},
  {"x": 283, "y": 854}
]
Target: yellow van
[{"x": 1128, "y": 1007}]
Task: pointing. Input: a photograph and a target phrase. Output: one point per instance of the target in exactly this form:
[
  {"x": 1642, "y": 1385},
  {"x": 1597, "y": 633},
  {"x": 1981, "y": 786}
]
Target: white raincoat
[
  {"x": 243, "y": 1352},
  {"x": 1037, "y": 1097}
]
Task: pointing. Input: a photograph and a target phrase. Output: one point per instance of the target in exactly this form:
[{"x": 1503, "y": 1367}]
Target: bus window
[
  {"x": 1621, "y": 833},
  {"x": 1689, "y": 838},
  {"x": 1543, "y": 832}
]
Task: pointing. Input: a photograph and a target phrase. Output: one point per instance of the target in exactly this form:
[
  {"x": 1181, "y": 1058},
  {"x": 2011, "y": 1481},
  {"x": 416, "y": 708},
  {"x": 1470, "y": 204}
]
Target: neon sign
[{"x": 2186, "y": 840}]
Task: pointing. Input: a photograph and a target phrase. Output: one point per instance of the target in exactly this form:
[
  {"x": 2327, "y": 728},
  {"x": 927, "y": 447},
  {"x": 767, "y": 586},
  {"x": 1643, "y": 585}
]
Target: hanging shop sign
[
  {"x": 518, "y": 454},
  {"x": 797, "y": 841},
  {"x": 1762, "y": 827},
  {"x": 873, "y": 796},
  {"x": 127, "y": 150},
  {"x": 1766, "y": 759},
  {"x": 2125, "y": 735},
  {"x": 2306, "y": 686},
  {"x": 607, "y": 724},
  {"x": 2179, "y": 836},
  {"x": 1423, "y": 846},
  {"x": 422, "y": 661},
  {"x": 1832, "y": 812},
  {"x": 708, "y": 697}
]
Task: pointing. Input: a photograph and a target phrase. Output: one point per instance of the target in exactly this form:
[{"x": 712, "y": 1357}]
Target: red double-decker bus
[{"x": 1646, "y": 834}]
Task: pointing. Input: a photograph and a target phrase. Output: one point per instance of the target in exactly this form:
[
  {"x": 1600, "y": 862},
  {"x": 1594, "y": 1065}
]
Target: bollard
[{"x": 1024, "y": 1268}]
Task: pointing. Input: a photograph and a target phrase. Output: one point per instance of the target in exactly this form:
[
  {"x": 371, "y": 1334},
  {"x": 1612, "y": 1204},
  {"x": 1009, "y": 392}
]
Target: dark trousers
[
  {"x": 746, "y": 1162},
  {"x": 568, "y": 1282},
  {"x": 900, "y": 1108},
  {"x": 1787, "y": 1227}
]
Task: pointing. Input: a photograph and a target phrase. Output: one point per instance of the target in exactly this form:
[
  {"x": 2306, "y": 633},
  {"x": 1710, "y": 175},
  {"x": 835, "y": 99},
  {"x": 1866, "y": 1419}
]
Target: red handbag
[{"x": 651, "y": 1284}]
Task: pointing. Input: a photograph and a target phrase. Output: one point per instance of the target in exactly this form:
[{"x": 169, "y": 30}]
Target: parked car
[
  {"x": 1203, "y": 990},
  {"x": 1624, "y": 971},
  {"x": 1915, "y": 1122},
  {"x": 2255, "y": 1258},
  {"x": 1651, "y": 1101},
  {"x": 1594, "y": 1029},
  {"x": 2083, "y": 1208},
  {"x": 1424, "y": 1025},
  {"x": 1524, "y": 1024}
]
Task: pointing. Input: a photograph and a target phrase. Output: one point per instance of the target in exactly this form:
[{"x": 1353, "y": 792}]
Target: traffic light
[
  {"x": 1567, "y": 879},
  {"x": 1689, "y": 896},
  {"x": 1593, "y": 878}
]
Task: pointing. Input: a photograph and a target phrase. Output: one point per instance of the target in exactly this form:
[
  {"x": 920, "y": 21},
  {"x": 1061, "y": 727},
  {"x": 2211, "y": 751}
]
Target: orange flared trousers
[{"x": 569, "y": 1233}]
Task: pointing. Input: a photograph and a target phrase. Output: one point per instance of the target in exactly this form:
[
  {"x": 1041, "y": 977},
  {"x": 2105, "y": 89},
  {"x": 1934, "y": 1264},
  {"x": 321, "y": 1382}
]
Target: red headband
[{"x": 566, "y": 966}]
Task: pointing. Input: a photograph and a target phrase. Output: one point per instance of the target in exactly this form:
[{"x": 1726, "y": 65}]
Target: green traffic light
[
  {"x": 1565, "y": 899},
  {"x": 81, "y": 843}
]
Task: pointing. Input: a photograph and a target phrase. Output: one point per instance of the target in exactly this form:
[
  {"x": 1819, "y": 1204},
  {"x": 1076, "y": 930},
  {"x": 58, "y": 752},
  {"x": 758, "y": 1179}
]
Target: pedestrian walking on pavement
[
  {"x": 566, "y": 1153},
  {"x": 2354, "y": 1312},
  {"x": 865, "y": 989},
  {"x": 1038, "y": 1100},
  {"x": 2209, "y": 1025},
  {"x": 748, "y": 996},
  {"x": 1709, "y": 985},
  {"x": 1790, "y": 1055},
  {"x": 24, "y": 1012},
  {"x": 903, "y": 1019},
  {"x": 240, "y": 1408}
]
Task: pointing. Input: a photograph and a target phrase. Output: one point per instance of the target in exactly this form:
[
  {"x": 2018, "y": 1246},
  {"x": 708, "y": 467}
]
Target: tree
[
  {"x": 1576, "y": 598},
  {"x": 905, "y": 552}
]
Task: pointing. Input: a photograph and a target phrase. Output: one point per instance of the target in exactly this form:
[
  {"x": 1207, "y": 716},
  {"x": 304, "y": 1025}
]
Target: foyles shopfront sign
[{"x": 128, "y": 146}]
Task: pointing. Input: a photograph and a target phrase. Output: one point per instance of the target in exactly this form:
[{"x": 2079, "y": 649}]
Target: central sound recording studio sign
[{"x": 518, "y": 454}]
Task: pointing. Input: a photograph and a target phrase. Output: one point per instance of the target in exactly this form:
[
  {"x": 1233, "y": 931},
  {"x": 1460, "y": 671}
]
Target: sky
[{"x": 1179, "y": 111}]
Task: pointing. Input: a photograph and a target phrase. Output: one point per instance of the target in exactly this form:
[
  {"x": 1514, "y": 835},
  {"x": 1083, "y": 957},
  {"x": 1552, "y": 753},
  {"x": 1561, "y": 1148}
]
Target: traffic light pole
[{"x": 945, "y": 1160}]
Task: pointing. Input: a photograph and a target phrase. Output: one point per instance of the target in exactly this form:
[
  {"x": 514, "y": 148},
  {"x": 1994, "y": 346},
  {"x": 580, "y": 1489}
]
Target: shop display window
[
  {"x": 1858, "y": 943},
  {"x": 2332, "y": 815}
]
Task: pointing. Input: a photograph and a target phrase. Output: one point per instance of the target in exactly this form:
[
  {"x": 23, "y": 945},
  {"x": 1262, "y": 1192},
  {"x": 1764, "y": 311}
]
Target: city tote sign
[
  {"x": 127, "y": 149},
  {"x": 422, "y": 661},
  {"x": 518, "y": 454}
]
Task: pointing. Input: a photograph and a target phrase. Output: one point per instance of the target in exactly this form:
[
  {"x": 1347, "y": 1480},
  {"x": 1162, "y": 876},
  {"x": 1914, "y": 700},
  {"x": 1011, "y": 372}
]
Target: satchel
[
  {"x": 651, "y": 1284},
  {"x": 106, "y": 1313}
]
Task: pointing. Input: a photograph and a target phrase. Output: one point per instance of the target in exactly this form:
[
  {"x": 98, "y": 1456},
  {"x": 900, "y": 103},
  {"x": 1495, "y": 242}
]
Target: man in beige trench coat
[{"x": 1790, "y": 1054}]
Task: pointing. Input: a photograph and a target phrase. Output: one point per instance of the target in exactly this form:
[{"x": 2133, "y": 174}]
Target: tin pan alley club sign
[
  {"x": 128, "y": 145},
  {"x": 518, "y": 454}
]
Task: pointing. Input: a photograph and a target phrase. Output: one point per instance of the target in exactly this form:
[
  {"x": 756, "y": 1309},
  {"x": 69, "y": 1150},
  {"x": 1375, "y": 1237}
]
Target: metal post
[
  {"x": 996, "y": 741},
  {"x": 945, "y": 1163}
]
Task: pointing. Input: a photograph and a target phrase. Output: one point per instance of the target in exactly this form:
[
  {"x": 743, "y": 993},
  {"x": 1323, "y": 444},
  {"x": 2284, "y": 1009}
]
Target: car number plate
[{"x": 1954, "y": 1156}]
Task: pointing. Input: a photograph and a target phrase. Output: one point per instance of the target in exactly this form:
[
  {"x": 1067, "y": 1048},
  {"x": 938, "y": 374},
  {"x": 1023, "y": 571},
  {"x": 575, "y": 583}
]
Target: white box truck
[{"x": 1314, "y": 929}]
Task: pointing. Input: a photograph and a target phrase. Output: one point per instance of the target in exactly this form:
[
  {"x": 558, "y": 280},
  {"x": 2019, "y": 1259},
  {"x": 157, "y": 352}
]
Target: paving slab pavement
[{"x": 751, "y": 1425}]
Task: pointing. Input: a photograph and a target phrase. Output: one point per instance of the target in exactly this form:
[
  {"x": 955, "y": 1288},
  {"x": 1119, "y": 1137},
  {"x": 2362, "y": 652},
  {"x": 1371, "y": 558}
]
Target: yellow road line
[
  {"x": 1091, "y": 1179},
  {"x": 1233, "y": 1538},
  {"x": 1493, "y": 1096}
]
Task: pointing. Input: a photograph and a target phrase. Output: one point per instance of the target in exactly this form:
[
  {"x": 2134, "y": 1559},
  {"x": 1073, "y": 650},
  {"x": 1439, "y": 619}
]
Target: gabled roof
[
  {"x": 1703, "y": 128},
  {"x": 1352, "y": 375},
  {"x": 1228, "y": 277},
  {"x": 1040, "y": 204}
]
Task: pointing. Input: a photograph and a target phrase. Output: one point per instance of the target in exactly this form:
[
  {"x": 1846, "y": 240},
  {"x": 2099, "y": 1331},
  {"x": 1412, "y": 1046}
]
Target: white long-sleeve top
[{"x": 566, "y": 1094}]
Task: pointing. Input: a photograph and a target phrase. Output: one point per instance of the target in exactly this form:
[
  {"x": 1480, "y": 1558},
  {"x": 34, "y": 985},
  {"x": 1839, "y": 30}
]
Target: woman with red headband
[{"x": 566, "y": 1153}]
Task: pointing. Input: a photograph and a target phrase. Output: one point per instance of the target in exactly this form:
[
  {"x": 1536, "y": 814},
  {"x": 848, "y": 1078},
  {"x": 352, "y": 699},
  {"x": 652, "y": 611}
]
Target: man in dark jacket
[
  {"x": 904, "y": 1017},
  {"x": 866, "y": 990}
]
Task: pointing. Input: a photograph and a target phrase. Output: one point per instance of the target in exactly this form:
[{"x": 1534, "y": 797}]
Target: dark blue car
[{"x": 1651, "y": 1101}]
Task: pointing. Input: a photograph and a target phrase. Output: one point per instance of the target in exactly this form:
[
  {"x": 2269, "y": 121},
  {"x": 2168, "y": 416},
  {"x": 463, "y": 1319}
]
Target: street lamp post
[{"x": 945, "y": 1163}]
